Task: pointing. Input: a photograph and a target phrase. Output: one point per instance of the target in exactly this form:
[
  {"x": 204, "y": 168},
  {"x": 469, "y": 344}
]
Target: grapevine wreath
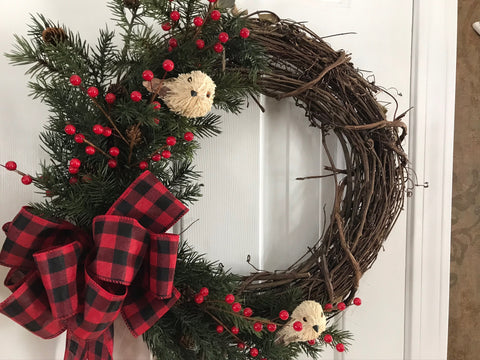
[{"x": 124, "y": 127}]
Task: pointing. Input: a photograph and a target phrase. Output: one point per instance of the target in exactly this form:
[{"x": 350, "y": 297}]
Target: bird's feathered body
[{"x": 310, "y": 314}]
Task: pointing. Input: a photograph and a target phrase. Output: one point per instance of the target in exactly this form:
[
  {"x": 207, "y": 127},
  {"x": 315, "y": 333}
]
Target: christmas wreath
[{"x": 121, "y": 139}]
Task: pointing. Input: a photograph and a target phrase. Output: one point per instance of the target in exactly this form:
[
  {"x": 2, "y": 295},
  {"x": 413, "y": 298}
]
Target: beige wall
[{"x": 464, "y": 331}]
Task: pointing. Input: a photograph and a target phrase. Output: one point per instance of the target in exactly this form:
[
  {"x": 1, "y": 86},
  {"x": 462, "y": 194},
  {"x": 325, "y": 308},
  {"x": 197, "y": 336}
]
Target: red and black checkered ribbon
[{"x": 62, "y": 278}]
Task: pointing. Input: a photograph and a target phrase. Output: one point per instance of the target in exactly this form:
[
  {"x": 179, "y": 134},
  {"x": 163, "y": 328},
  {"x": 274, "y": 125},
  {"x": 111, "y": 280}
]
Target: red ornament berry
[
  {"x": 254, "y": 352},
  {"x": 340, "y": 347},
  {"x": 170, "y": 49},
  {"x": 223, "y": 37},
  {"x": 328, "y": 307},
  {"x": 218, "y": 47},
  {"x": 188, "y": 136},
  {"x": 297, "y": 326},
  {"x": 271, "y": 327},
  {"x": 79, "y": 138},
  {"x": 175, "y": 15},
  {"x": 235, "y": 330},
  {"x": 166, "y": 154},
  {"x": 156, "y": 157},
  {"x": 341, "y": 306},
  {"x": 11, "y": 165},
  {"x": 215, "y": 15},
  {"x": 73, "y": 180},
  {"x": 199, "y": 298},
  {"x": 357, "y": 301},
  {"x": 171, "y": 140},
  {"x": 244, "y": 33},
  {"x": 236, "y": 307},
  {"x": 110, "y": 98},
  {"x": 147, "y": 75},
  {"x": 156, "y": 105},
  {"x": 136, "y": 96},
  {"x": 112, "y": 163},
  {"x": 229, "y": 299},
  {"x": 173, "y": 42},
  {"x": 258, "y": 326},
  {"x": 247, "y": 312},
  {"x": 70, "y": 129},
  {"x": 284, "y": 315},
  {"x": 157, "y": 121},
  {"x": 166, "y": 26},
  {"x": 143, "y": 165},
  {"x": 73, "y": 170},
  {"x": 200, "y": 43},
  {"x": 26, "y": 180},
  {"x": 198, "y": 21},
  {"x": 212, "y": 1},
  {"x": 114, "y": 151},
  {"x": 204, "y": 291},
  {"x": 90, "y": 150},
  {"x": 75, "y": 80},
  {"x": 311, "y": 342},
  {"x": 92, "y": 92},
  {"x": 241, "y": 346},
  {"x": 75, "y": 163},
  {"x": 168, "y": 65},
  {"x": 328, "y": 338},
  {"x": 107, "y": 131},
  {"x": 219, "y": 329},
  {"x": 97, "y": 129}
]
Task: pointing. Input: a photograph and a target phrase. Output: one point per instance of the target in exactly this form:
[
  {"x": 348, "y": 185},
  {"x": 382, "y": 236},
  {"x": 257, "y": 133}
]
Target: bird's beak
[
  {"x": 315, "y": 327},
  {"x": 193, "y": 93}
]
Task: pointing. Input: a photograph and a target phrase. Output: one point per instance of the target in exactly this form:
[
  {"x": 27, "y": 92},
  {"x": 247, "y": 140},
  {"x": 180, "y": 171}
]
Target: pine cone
[
  {"x": 134, "y": 135},
  {"x": 131, "y": 4},
  {"x": 118, "y": 90},
  {"x": 188, "y": 342},
  {"x": 54, "y": 35}
]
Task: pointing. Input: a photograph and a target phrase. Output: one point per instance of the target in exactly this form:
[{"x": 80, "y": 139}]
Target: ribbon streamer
[{"x": 62, "y": 278}]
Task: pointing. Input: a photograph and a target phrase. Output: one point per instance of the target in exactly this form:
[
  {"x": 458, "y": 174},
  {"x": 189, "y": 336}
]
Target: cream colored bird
[{"x": 310, "y": 314}]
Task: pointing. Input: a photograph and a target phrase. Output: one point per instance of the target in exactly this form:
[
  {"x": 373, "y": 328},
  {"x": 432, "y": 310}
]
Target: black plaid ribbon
[{"x": 62, "y": 278}]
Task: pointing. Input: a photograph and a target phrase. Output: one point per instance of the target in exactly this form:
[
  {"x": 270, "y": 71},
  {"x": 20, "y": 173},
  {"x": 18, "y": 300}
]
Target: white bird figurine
[{"x": 313, "y": 322}]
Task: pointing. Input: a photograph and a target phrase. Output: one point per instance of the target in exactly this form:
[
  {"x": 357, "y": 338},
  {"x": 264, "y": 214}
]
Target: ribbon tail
[{"x": 99, "y": 349}]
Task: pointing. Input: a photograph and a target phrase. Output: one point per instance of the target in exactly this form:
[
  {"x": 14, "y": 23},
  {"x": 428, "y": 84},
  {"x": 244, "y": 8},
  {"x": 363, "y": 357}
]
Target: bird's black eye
[
  {"x": 190, "y": 79},
  {"x": 208, "y": 94},
  {"x": 305, "y": 319}
]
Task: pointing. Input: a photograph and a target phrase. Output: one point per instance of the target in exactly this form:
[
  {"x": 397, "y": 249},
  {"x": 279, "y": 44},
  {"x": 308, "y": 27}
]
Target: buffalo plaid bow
[{"x": 63, "y": 279}]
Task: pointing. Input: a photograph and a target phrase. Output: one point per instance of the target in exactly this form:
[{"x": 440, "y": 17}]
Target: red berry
[
  {"x": 170, "y": 49},
  {"x": 311, "y": 342},
  {"x": 107, "y": 131},
  {"x": 75, "y": 163},
  {"x": 166, "y": 154},
  {"x": 284, "y": 315},
  {"x": 11, "y": 165},
  {"x": 297, "y": 326},
  {"x": 244, "y": 33},
  {"x": 357, "y": 301},
  {"x": 247, "y": 312},
  {"x": 70, "y": 129},
  {"x": 241, "y": 346},
  {"x": 215, "y": 15},
  {"x": 341, "y": 306},
  {"x": 212, "y": 1},
  {"x": 328, "y": 307},
  {"x": 73, "y": 170},
  {"x": 199, "y": 298},
  {"x": 173, "y": 42},
  {"x": 168, "y": 65},
  {"x": 156, "y": 105},
  {"x": 236, "y": 307},
  {"x": 26, "y": 180},
  {"x": 271, "y": 327},
  {"x": 188, "y": 136},
  {"x": 219, "y": 329},
  {"x": 198, "y": 21},
  {"x": 90, "y": 150},
  {"x": 98, "y": 129},
  {"x": 328, "y": 338},
  {"x": 92, "y": 92},
  {"x": 223, "y": 37},
  {"x": 73, "y": 180},
  {"x": 175, "y": 15},
  {"x": 166, "y": 26},
  {"x": 75, "y": 80},
  {"x": 171, "y": 140},
  {"x": 340, "y": 347},
  {"x": 79, "y": 138},
  {"x": 258, "y": 326},
  {"x": 235, "y": 330},
  {"x": 204, "y": 291},
  {"x": 136, "y": 96},
  {"x": 110, "y": 98},
  {"x": 147, "y": 75},
  {"x": 112, "y": 163},
  {"x": 229, "y": 299},
  {"x": 200, "y": 43},
  {"x": 143, "y": 165},
  {"x": 218, "y": 47},
  {"x": 114, "y": 151},
  {"x": 156, "y": 157},
  {"x": 254, "y": 352},
  {"x": 157, "y": 121}
]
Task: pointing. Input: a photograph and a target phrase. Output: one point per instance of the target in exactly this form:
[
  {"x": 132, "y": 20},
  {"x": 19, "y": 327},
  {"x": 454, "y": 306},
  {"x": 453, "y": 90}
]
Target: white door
[{"x": 252, "y": 204}]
